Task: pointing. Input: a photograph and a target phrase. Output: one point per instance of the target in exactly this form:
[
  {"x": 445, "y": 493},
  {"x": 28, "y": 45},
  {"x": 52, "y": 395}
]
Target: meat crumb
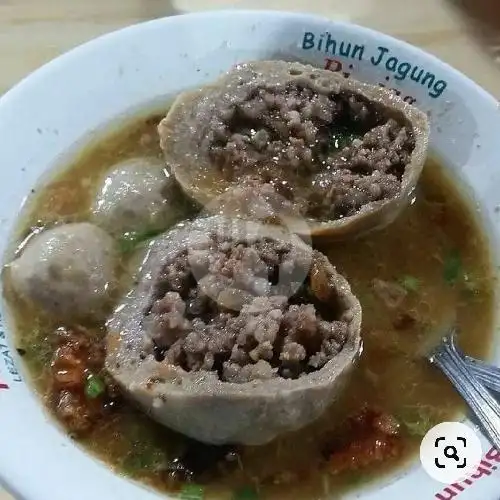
[
  {"x": 285, "y": 132},
  {"x": 236, "y": 308}
]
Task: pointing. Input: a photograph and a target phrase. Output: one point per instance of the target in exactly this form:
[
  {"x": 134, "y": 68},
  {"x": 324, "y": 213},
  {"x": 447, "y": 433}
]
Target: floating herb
[
  {"x": 356, "y": 478},
  {"x": 94, "y": 386},
  {"x": 418, "y": 428},
  {"x": 418, "y": 420},
  {"x": 191, "y": 492},
  {"x": 247, "y": 493},
  {"x": 144, "y": 458},
  {"x": 341, "y": 138},
  {"x": 452, "y": 270},
  {"x": 38, "y": 349},
  {"x": 410, "y": 283},
  {"x": 145, "y": 445},
  {"x": 130, "y": 241}
]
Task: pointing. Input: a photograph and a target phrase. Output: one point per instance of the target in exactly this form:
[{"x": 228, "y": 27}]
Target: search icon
[{"x": 451, "y": 452}]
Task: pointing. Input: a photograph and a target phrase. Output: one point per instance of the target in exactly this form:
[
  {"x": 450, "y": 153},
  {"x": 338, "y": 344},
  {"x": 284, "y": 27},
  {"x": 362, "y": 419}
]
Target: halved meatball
[
  {"x": 235, "y": 333},
  {"x": 349, "y": 153}
]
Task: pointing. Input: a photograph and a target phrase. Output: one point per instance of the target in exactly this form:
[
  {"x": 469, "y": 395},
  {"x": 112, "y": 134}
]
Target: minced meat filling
[
  {"x": 244, "y": 310},
  {"x": 292, "y": 132}
]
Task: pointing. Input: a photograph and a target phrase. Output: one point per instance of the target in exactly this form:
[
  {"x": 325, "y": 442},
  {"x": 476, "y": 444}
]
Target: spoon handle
[
  {"x": 488, "y": 374},
  {"x": 480, "y": 401}
]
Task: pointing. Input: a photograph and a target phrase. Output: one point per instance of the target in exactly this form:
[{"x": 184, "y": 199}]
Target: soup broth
[{"x": 415, "y": 278}]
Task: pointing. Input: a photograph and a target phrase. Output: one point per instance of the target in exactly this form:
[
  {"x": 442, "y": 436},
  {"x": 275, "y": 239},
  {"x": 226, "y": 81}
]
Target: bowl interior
[{"x": 52, "y": 112}]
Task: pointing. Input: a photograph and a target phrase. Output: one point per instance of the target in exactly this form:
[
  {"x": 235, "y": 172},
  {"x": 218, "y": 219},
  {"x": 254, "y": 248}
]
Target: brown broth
[{"x": 435, "y": 248}]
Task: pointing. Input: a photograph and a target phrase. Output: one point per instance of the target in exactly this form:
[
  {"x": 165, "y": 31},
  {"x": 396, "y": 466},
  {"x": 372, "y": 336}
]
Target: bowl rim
[
  {"x": 45, "y": 69},
  {"x": 7, "y": 467}
]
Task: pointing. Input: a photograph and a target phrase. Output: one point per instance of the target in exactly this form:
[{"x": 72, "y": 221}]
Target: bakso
[
  {"x": 347, "y": 153},
  {"x": 236, "y": 332},
  {"x": 68, "y": 271}
]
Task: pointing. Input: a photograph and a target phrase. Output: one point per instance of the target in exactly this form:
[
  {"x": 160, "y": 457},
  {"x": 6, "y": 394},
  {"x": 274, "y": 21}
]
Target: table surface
[{"x": 34, "y": 31}]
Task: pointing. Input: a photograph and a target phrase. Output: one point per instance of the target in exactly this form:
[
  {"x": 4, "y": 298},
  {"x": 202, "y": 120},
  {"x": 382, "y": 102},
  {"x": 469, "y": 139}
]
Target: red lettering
[
  {"x": 480, "y": 472},
  {"x": 449, "y": 492},
  {"x": 455, "y": 489},
  {"x": 3, "y": 386},
  {"x": 493, "y": 455}
]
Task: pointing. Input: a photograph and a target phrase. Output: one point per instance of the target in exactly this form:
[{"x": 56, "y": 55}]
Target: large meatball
[
  {"x": 235, "y": 333},
  {"x": 346, "y": 154},
  {"x": 134, "y": 198},
  {"x": 68, "y": 271}
]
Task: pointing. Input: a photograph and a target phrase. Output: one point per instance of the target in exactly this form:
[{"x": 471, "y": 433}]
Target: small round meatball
[
  {"x": 68, "y": 271},
  {"x": 132, "y": 197}
]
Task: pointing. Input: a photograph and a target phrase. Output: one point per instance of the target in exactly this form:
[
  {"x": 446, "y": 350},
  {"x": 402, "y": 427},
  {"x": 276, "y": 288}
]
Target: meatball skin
[
  {"x": 68, "y": 271},
  {"x": 132, "y": 197}
]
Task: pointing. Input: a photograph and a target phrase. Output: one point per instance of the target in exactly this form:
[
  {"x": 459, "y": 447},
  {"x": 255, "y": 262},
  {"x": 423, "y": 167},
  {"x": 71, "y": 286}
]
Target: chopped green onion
[
  {"x": 418, "y": 419},
  {"x": 247, "y": 493},
  {"x": 356, "y": 478},
  {"x": 410, "y": 283},
  {"x": 144, "y": 457},
  {"x": 130, "y": 241},
  {"x": 94, "y": 387},
  {"x": 192, "y": 492},
  {"x": 418, "y": 428},
  {"x": 341, "y": 138},
  {"x": 452, "y": 267}
]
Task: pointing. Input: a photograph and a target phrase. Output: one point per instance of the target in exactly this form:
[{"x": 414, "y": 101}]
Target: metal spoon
[
  {"x": 489, "y": 375},
  {"x": 484, "y": 406}
]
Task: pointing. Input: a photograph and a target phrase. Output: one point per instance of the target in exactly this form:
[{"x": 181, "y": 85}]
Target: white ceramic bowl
[{"x": 47, "y": 115}]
